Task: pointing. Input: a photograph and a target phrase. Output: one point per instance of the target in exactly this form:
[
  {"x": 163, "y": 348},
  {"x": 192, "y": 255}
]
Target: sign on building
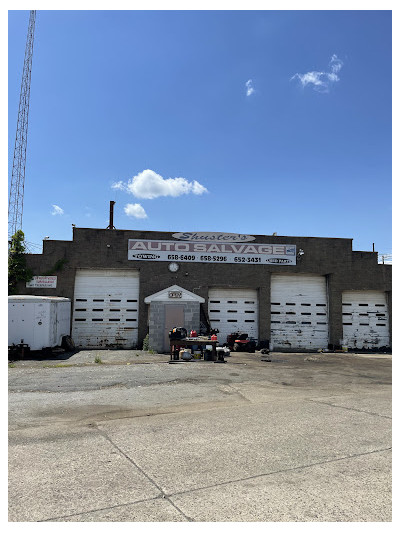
[
  {"x": 42, "y": 282},
  {"x": 207, "y": 236},
  {"x": 211, "y": 252},
  {"x": 174, "y": 294}
]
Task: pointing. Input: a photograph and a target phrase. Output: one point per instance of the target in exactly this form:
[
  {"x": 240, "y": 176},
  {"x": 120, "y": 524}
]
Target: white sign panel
[
  {"x": 174, "y": 294},
  {"x": 42, "y": 282},
  {"x": 211, "y": 252},
  {"x": 207, "y": 236}
]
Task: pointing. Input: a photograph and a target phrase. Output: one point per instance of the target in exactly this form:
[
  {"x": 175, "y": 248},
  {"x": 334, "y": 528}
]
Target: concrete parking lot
[{"x": 302, "y": 438}]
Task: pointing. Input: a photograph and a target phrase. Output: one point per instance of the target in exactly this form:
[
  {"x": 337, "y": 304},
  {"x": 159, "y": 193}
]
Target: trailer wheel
[{"x": 67, "y": 343}]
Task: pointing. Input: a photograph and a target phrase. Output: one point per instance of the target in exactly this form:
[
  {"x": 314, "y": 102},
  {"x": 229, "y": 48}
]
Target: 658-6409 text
[{"x": 177, "y": 257}]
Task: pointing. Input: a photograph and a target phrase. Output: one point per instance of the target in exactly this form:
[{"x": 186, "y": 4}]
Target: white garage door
[
  {"x": 233, "y": 310},
  {"x": 365, "y": 319},
  {"x": 105, "y": 310},
  {"x": 299, "y": 312}
]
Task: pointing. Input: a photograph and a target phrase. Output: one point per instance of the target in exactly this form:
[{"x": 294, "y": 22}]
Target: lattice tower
[{"x": 16, "y": 198}]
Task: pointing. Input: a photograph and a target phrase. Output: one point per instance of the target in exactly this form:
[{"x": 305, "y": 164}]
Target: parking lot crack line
[
  {"x": 99, "y": 509},
  {"x": 282, "y": 471},
  {"x": 151, "y": 480},
  {"x": 231, "y": 389},
  {"x": 350, "y": 408}
]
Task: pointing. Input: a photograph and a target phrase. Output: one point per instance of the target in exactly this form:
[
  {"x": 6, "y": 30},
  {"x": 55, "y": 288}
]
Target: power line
[
  {"x": 33, "y": 248},
  {"x": 385, "y": 258}
]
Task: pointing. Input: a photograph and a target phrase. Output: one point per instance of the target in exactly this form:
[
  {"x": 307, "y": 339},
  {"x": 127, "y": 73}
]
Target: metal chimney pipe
[{"x": 111, "y": 225}]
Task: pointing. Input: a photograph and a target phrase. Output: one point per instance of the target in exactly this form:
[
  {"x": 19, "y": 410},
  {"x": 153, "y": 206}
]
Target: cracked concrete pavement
[{"x": 299, "y": 439}]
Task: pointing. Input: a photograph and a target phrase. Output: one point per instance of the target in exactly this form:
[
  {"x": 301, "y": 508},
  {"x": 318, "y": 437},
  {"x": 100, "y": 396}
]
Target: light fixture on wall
[{"x": 300, "y": 253}]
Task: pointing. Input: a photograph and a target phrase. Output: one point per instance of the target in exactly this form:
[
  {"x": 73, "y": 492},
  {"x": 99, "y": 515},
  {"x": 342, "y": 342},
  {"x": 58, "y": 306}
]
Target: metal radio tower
[{"x": 16, "y": 198}]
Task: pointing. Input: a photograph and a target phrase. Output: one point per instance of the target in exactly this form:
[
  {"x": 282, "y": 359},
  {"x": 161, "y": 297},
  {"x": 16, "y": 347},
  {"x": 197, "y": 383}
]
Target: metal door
[
  {"x": 174, "y": 318},
  {"x": 233, "y": 310},
  {"x": 105, "y": 312},
  {"x": 299, "y": 312},
  {"x": 365, "y": 319}
]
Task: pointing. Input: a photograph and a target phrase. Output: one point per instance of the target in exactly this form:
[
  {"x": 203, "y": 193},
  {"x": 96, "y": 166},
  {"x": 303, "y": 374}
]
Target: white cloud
[
  {"x": 149, "y": 185},
  {"x": 135, "y": 210},
  {"x": 57, "y": 210},
  {"x": 118, "y": 185},
  {"x": 197, "y": 188},
  {"x": 249, "y": 88},
  {"x": 335, "y": 63},
  {"x": 322, "y": 81}
]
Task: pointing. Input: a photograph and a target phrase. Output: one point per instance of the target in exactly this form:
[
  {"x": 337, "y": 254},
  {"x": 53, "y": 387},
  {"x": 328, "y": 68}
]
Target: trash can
[{"x": 208, "y": 353}]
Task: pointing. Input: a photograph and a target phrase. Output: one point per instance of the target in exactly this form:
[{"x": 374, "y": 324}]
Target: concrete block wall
[
  {"x": 192, "y": 316},
  {"x": 344, "y": 269},
  {"x": 191, "y": 313},
  {"x": 156, "y": 326}
]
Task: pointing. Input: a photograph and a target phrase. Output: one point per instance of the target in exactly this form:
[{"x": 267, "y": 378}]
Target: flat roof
[
  {"x": 30, "y": 297},
  {"x": 211, "y": 231}
]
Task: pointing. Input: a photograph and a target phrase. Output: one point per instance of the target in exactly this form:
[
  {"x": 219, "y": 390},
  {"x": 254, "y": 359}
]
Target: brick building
[{"x": 300, "y": 293}]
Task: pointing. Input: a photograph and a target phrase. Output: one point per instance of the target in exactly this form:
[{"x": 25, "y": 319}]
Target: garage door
[
  {"x": 105, "y": 312},
  {"x": 299, "y": 312},
  {"x": 365, "y": 319},
  {"x": 233, "y": 310}
]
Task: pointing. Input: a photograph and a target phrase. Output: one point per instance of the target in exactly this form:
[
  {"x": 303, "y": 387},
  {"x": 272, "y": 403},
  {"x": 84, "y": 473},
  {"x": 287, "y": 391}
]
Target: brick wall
[{"x": 96, "y": 248}]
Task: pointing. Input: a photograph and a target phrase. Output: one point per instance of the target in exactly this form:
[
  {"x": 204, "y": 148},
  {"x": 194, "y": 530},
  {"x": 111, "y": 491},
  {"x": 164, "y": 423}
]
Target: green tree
[{"x": 17, "y": 269}]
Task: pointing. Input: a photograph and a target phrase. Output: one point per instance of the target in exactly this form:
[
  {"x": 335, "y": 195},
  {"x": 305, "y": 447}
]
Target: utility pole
[{"x": 16, "y": 198}]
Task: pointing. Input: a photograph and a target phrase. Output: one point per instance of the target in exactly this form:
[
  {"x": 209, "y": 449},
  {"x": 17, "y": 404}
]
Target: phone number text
[{"x": 213, "y": 258}]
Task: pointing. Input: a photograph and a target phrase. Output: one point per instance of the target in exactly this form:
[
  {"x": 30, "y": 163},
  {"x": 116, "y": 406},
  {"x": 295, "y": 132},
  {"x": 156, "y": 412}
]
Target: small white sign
[
  {"x": 174, "y": 294},
  {"x": 42, "y": 282}
]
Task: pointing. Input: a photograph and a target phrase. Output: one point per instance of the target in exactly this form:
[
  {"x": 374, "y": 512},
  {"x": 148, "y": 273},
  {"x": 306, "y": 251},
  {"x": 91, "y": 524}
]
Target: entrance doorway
[{"x": 173, "y": 318}]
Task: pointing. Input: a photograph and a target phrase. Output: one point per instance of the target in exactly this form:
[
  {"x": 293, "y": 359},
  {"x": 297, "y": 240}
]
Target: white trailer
[{"x": 39, "y": 322}]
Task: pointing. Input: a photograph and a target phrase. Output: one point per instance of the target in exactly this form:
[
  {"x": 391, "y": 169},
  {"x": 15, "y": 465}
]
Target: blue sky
[{"x": 239, "y": 121}]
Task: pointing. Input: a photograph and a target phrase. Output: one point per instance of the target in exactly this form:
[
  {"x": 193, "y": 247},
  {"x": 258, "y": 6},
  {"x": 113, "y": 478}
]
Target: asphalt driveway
[{"x": 302, "y": 438}]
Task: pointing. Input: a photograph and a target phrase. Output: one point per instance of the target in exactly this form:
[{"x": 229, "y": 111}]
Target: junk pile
[{"x": 196, "y": 347}]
